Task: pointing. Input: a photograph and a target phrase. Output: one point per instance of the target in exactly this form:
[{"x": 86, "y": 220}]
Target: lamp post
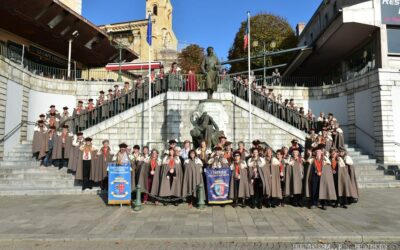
[
  {"x": 120, "y": 46},
  {"x": 255, "y": 44},
  {"x": 272, "y": 45}
]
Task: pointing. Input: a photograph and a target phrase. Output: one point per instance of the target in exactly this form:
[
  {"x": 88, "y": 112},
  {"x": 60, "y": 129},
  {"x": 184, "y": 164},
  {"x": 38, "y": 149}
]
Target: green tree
[
  {"x": 264, "y": 28},
  {"x": 191, "y": 58}
]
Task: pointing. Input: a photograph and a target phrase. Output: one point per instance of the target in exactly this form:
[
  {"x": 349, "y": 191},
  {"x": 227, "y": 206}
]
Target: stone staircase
[
  {"x": 20, "y": 174},
  {"x": 368, "y": 175}
]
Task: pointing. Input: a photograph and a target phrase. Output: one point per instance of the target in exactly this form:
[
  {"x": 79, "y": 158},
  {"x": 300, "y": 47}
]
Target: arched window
[{"x": 155, "y": 10}]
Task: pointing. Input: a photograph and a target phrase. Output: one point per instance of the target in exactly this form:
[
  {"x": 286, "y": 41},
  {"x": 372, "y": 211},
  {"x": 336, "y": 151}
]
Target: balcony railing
[{"x": 187, "y": 83}]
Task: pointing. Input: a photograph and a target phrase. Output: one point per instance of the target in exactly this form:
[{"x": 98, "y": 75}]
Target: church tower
[{"x": 164, "y": 39}]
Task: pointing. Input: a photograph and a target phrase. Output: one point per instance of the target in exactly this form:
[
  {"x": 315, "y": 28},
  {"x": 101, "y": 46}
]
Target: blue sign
[
  {"x": 218, "y": 182},
  {"x": 119, "y": 184}
]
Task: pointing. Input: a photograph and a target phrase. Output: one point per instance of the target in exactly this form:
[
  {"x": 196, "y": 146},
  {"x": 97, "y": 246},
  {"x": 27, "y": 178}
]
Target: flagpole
[
  {"x": 248, "y": 77},
  {"x": 150, "y": 114}
]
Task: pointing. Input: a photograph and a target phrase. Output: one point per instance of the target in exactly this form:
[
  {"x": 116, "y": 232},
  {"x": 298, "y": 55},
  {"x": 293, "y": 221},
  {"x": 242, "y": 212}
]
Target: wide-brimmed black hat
[
  {"x": 79, "y": 134},
  {"x": 123, "y": 145},
  {"x": 136, "y": 147},
  {"x": 65, "y": 108},
  {"x": 52, "y": 106},
  {"x": 88, "y": 139},
  {"x": 65, "y": 126},
  {"x": 172, "y": 141}
]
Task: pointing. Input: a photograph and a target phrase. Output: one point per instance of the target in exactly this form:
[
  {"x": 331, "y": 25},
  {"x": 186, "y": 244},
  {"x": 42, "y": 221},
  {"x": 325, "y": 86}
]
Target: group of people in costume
[{"x": 317, "y": 174}]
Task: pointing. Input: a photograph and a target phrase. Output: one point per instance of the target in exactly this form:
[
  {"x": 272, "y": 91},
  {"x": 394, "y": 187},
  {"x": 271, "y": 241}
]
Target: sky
[{"x": 203, "y": 22}]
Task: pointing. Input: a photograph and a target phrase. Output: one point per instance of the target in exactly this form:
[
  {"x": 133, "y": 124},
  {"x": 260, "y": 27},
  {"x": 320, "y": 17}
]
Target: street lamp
[
  {"x": 120, "y": 46},
  {"x": 255, "y": 44}
]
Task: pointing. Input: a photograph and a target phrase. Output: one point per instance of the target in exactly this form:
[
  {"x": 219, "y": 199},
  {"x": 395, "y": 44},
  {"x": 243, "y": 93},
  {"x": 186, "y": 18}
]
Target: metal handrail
[{"x": 14, "y": 130}]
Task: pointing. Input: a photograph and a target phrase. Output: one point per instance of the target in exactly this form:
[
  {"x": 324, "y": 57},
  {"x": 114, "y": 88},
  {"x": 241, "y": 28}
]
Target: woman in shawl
[
  {"x": 341, "y": 179},
  {"x": 171, "y": 176},
  {"x": 352, "y": 173},
  {"x": 259, "y": 179},
  {"x": 86, "y": 163},
  {"x": 239, "y": 184},
  {"x": 322, "y": 185},
  {"x": 99, "y": 173},
  {"x": 294, "y": 178},
  {"x": 192, "y": 177},
  {"x": 273, "y": 166}
]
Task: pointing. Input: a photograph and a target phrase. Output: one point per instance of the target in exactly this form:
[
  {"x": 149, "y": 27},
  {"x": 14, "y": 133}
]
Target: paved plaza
[{"x": 70, "y": 222}]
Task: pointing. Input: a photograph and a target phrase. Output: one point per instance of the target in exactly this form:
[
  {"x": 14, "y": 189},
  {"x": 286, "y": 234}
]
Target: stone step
[
  {"x": 18, "y": 154},
  {"x": 26, "y": 143},
  {"x": 379, "y": 184},
  {"x": 369, "y": 172},
  {"x": 39, "y": 183},
  {"x": 49, "y": 191},
  {"x": 28, "y": 169},
  {"x": 19, "y": 164},
  {"x": 35, "y": 176},
  {"x": 368, "y": 178}
]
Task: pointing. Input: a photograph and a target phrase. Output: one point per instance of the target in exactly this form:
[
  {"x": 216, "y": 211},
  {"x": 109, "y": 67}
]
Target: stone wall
[{"x": 171, "y": 120}]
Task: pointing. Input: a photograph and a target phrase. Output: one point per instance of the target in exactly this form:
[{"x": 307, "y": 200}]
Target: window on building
[
  {"x": 393, "y": 39},
  {"x": 155, "y": 10}
]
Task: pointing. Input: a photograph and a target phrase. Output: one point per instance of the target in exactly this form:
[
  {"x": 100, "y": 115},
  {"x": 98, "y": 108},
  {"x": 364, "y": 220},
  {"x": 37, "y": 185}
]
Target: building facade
[
  {"x": 357, "y": 44},
  {"x": 75, "y": 5},
  {"x": 165, "y": 43}
]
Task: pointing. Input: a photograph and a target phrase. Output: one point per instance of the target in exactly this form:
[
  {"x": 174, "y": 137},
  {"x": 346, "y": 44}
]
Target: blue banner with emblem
[
  {"x": 119, "y": 184},
  {"x": 218, "y": 184}
]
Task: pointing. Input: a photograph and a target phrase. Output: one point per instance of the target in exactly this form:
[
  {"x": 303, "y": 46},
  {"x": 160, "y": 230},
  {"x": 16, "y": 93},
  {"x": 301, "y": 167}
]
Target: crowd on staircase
[{"x": 319, "y": 172}]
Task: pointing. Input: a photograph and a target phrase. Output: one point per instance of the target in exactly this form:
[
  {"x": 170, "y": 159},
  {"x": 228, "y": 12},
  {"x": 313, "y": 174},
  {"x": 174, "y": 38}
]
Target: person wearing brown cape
[
  {"x": 53, "y": 120},
  {"x": 61, "y": 147},
  {"x": 294, "y": 178},
  {"x": 239, "y": 184},
  {"x": 217, "y": 159},
  {"x": 77, "y": 115},
  {"x": 85, "y": 163},
  {"x": 54, "y": 111},
  {"x": 99, "y": 172},
  {"x": 273, "y": 165},
  {"x": 74, "y": 154},
  {"x": 136, "y": 160},
  {"x": 125, "y": 102},
  {"x": 171, "y": 176},
  {"x": 155, "y": 173},
  {"x": 281, "y": 164},
  {"x": 144, "y": 163},
  {"x": 39, "y": 142},
  {"x": 123, "y": 157},
  {"x": 258, "y": 179},
  {"x": 66, "y": 119},
  {"x": 341, "y": 179},
  {"x": 322, "y": 184},
  {"x": 192, "y": 177},
  {"x": 153, "y": 176},
  {"x": 51, "y": 133},
  {"x": 307, "y": 173},
  {"x": 244, "y": 154},
  {"x": 109, "y": 103},
  {"x": 352, "y": 173},
  {"x": 102, "y": 106}
]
